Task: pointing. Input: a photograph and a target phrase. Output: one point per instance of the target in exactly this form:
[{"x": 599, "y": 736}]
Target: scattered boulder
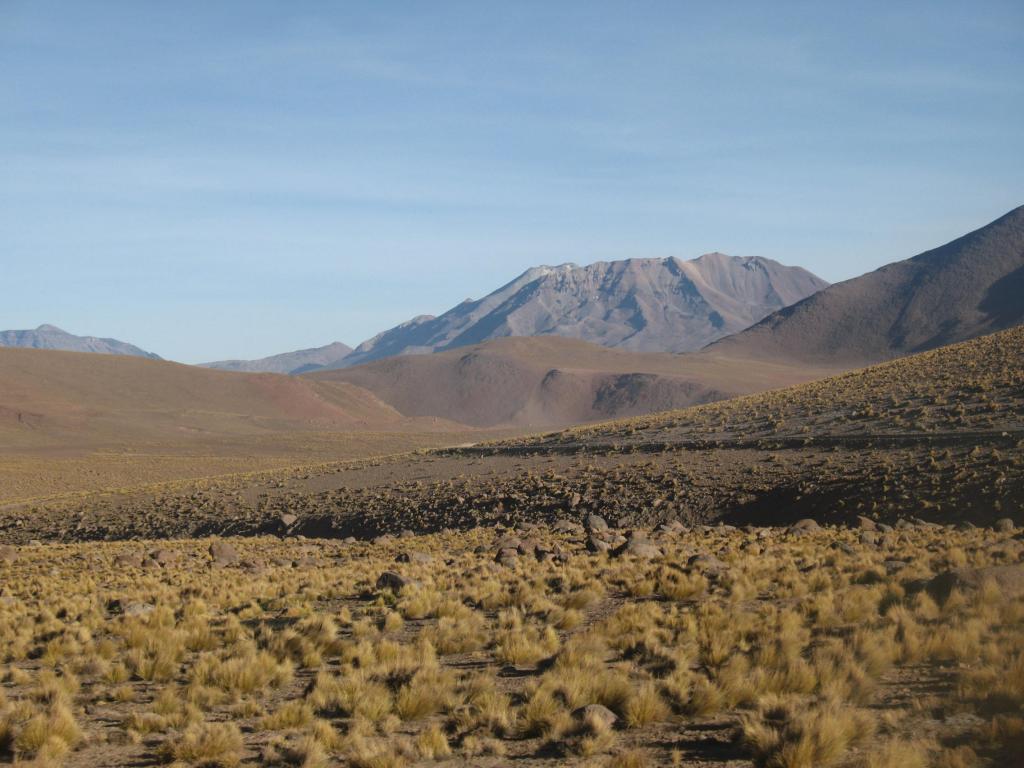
[
  {"x": 807, "y": 525},
  {"x": 138, "y": 609},
  {"x": 597, "y": 715},
  {"x": 1008, "y": 578},
  {"x": 671, "y": 527},
  {"x": 163, "y": 557},
  {"x": 1004, "y": 525},
  {"x": 128, "y": 560},
  {"x": 596, "y": 523},
  {"x": 507, "y": 556},
  {"x": 396, "y": 582},
  {"x": 288, "y": 520},
  {"x": 566, "y": 526},
  {"x": 866, "y": 523},
  {"x": 134, "y": 608},
  {"x": 869, "y": 538},
  {"x": 638, "y": 545},
  {"x": 595, "y": 544},
  {"x": 508, "y": 542},
  {"x": 414, "y": 557},
  {"x": 707, "y": 563},
  {"x": 223, "y": 553}
]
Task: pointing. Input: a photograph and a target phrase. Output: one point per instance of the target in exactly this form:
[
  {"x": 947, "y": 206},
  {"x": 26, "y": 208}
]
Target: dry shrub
[
  {"x": 206, "y": 744},
  {"x": 789, "y": 735},
  {"x": 896, "y": 753}
]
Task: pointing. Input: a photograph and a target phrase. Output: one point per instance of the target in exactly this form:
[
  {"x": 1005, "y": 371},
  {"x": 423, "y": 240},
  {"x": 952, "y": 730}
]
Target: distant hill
[
  {"x": 643, "y": 305},
  {"x": 971, "y": 286},
  {"x": 547, "y": 381},
  {"x": 289, "y": 362},
  {"x": 52, "y": 337},
  {"x": 67, "y": 399}
]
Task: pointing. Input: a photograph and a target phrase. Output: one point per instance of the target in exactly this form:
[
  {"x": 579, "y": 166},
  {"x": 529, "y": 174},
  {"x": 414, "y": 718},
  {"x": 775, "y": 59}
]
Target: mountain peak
[
  {"x": 47, "y": 328},
  {"x": 640, "y": 304}
]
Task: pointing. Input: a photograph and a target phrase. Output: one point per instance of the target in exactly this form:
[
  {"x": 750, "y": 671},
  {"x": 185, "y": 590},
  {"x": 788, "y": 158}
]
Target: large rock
[
  {"x": 223, "y": 553},
  {"x": 1004, "y": 525},
  {"x": 1008, "y": 578},
  {"x": 396, "y": 582},
  {"x": 596, "y": 715},
  {"x": 807, "y": 525},
  {"x": 566, "y": 526},
  {"x": 596, "y": 523},
  {"x": 638, "y": 545}
]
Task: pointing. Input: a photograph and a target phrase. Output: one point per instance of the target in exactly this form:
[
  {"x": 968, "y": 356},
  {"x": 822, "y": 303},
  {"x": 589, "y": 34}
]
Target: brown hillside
[
  {"x": 936, "y": 436},
  {"x": 971, "y": 286},
  {"x": 73, "y": 421},
  {"x": 552, "y": 381}
]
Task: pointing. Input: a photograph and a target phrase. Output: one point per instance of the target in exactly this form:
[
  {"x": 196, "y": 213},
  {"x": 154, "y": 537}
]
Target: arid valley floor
[{"x": 823, "y": 575}]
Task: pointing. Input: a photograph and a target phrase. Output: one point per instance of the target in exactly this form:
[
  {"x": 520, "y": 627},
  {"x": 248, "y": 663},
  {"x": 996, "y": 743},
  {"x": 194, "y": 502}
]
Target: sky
[{"x": 237, "y": 179}]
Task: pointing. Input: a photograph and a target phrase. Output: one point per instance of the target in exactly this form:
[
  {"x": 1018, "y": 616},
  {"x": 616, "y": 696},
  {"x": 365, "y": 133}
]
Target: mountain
[
  {"x": 644, "y": 305},
  {"x": 52, "y": 337},
  {"x": 289, "y": 362},
  {"x": 971, "y": 286},
  {"x": 547, "y": 381}
]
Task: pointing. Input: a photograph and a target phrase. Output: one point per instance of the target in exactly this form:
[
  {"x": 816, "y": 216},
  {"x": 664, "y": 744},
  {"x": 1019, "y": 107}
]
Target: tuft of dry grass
[{"x": 206, "y": 744}]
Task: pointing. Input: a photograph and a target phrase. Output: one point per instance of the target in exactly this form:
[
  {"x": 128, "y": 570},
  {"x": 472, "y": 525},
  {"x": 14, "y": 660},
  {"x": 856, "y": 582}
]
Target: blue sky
[{"x": 213, "y": 180}]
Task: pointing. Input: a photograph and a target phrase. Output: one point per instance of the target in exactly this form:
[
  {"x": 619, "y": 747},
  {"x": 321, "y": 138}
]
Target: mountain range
[
  {"x": 52, "y": 337},
  {"x": 643, "y": 305},
  {"x": 486, "y": 374},
  {"x": 329, "y": 356}
]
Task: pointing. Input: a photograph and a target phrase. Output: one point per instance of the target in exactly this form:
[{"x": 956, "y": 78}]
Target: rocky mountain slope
[
  {"x": 52, "y": 337},
  {"x": 644, "y": 305},
  {"x": 968, "y": 287}
]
